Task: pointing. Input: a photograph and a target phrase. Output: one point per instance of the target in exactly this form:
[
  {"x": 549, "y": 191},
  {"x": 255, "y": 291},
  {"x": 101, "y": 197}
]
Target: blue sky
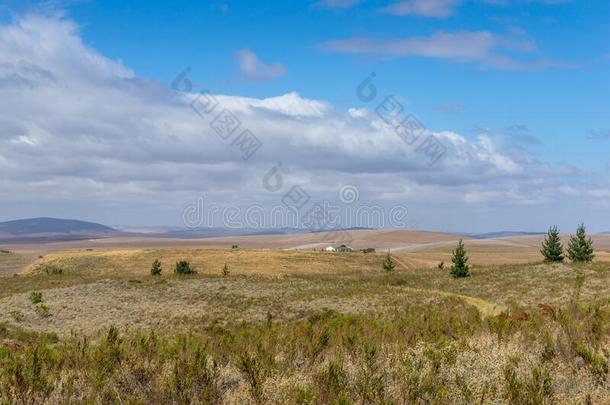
[
  {"x": 559, "y": 105},
  {"x": 525, "y": 80}
]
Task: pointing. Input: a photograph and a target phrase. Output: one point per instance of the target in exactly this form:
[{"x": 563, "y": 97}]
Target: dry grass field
[
  {"x": 489, "y": 252},
  {"x": 303, "y": 327},
  {"x": 381, "y": 239},
  {"x": 11, "y": 263}
]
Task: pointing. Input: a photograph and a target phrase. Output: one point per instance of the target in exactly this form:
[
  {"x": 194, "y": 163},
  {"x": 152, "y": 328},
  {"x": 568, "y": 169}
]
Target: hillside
[{"x": 53, "y": 228}]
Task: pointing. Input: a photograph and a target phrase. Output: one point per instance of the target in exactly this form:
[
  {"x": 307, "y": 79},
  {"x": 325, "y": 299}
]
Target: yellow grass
[
  {"x": 137, "y": 262},
  {"x": 441, "y": 340}
]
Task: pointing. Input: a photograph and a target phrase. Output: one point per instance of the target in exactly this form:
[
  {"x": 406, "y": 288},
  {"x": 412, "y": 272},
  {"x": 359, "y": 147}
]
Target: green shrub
[
  {"x": 388, "y": 263},
  {"x": 598, "y": 364},
  {"x": 17, "y": 315},
  {"x": 331, "y": 383},
  {"x": 42, "y": 310},
  {"x": 537, "y": 389},
  {"x": 302, "y": 396},
  {"x": 183, "y": 267},
  {"x": 156, "y": 269},
  {"x": 251, "y": 367},
  {"x": 35, "y": 297}
]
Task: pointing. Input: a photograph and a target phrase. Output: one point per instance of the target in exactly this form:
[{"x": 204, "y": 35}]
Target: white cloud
[
  {"x": 446, "y": 8},
  {"x": 82, "y": 136},
  {"x": 424, "y": 8},
  {"x": 462, "y": 45},
  {"x": 252, "y": 68},
  {"x": 484, "y": 47}
]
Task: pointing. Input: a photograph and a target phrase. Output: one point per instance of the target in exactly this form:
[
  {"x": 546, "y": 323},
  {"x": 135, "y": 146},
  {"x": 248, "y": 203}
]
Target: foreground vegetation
[
  {"x": 520, "y": 334},
  {"x": 436, "y": 355}
]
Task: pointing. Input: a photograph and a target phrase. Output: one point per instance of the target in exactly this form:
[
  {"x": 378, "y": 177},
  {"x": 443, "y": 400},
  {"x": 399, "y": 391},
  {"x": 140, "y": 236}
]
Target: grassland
[
  {"x": 300, "y": 327},
  {"x": 11, "y": 263}
]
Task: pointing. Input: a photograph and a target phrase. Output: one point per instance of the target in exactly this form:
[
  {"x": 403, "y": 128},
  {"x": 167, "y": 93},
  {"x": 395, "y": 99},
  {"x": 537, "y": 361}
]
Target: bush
[
  {"x": 156, "y": 269},
  {"x": 52, "y": 270},
  {"x": 225, "y": 270},
  {"x": 534, "y": 389},
  {"x": 255, "y": 374},
  {"x": 35, "y": 297},
  {"x": 42, "y": 310},
  {"x": 183, "y": 267},
  {"x": 459, "y": 259},
  {"x": 441, "y": 265},
  {"x": 17, "y": 315},
  {"x": 388, "y": 263}
]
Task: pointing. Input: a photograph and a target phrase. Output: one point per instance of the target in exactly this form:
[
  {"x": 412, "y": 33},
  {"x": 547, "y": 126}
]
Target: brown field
[
  {"x": 301, "y": 326},
  {"x": 379, "y": 239},
  {"x": 513, "y": 250},
  {"x": 11, "y": 263}
]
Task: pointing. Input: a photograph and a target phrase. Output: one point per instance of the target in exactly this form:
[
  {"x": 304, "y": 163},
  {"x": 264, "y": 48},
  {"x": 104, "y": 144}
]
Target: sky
[{"x": 448, "y": 115}]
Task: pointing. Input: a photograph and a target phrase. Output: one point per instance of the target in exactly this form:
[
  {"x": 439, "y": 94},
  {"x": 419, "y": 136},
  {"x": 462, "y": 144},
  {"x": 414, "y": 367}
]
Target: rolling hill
[{"x": 40, "y": 229}]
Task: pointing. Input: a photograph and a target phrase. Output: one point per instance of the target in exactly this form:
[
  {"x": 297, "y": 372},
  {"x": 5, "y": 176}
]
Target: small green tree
[
  {"x": 552, "y": 250},
  {"x": 183, "y": 267},
  {"x": 225, "y": 270},
  {"x": 580, "y": 247},
  {"x": 459, "y": 259},
  {"x": 388, "y": 263},
  {"x": 155, "y": 269}
]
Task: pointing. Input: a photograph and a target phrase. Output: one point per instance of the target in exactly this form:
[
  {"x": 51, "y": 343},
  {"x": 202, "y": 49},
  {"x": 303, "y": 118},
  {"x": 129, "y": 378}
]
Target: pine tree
[
  {"x": 552, "y": 250},
  {"x": 155, "y": 269},
  {"x": 388, "y": 263},
  {"x": 459, "y": 259},
  {"x": 580, "y": 248}
]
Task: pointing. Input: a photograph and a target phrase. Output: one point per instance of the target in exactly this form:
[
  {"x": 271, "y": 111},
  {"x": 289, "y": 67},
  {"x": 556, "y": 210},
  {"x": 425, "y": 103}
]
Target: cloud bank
[{"x": 82, "y": 136}]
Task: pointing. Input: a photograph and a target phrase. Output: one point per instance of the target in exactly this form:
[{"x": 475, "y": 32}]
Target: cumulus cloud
[
  {"x": 82, "y": 136},
  {"x": 252, "y": 68}
]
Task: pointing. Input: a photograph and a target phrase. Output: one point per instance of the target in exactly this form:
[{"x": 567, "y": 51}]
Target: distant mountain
[
  {"x": 38, "y": 230},
  {"x": 53, "y": 229},
  {"x": 502, "y": 234}
]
